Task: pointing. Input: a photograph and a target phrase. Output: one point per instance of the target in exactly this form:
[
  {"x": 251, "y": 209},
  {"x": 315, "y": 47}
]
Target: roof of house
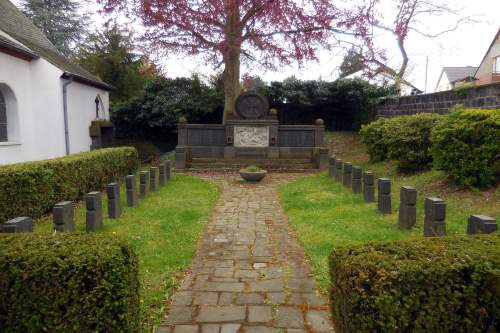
[
  {"x": 455, "y": 74},
  {"x": 458, "y": 73},
  {"x": 16, "y": 49},
  {"x": 19, "y": 27},
  {"x": 497, "y": 35}
]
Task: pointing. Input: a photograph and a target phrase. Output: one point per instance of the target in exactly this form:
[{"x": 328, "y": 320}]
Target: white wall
[
  {"x": 444, "y": 83},
  {"x": 34, "y": 90},
  {"x": 81, "y": 112},
  {"x": 16, "y": 88}
]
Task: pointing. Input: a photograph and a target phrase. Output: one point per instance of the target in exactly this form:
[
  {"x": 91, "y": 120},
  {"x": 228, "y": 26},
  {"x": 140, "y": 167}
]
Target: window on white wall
[
  {"x": 9, "y": 118},
  {"x": 3, "y": 119},
  {"x": 496, "y": 65}
]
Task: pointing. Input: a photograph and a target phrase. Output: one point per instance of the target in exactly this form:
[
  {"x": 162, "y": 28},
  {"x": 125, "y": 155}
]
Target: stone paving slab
[{"x": 250, "y": 274}]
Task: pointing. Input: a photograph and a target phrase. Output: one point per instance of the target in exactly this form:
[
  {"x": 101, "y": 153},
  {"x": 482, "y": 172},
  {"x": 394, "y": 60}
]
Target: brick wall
[{"x": 484, "y": 97}]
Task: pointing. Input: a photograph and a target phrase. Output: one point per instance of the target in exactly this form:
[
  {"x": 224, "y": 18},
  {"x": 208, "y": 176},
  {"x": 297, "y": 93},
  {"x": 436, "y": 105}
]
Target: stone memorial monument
[{"x": 252, "y": 135}]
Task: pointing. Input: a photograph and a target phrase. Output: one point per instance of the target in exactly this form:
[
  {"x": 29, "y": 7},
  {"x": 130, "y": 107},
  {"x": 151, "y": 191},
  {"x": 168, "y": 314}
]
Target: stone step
[
  {"x": 246, "y": 161},
  {"x": 267, "y": 166},
  {"x": 234, "y": 169}
]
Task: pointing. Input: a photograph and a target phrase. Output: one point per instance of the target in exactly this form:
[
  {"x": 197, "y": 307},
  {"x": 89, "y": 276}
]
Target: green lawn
[
  {"x": 326, "y": 215},
  {"x": 164, "y": 229}
]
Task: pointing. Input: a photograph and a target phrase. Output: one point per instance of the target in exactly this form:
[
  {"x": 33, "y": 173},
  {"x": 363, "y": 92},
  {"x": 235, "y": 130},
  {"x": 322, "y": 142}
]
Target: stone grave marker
[
  {"x": 18, "y": 225},
  {"x": 152, "y": 178},
  {"x": 143, "y": 183},
  {"x": 435, "y": 215},
  {"x": 384, "y": 196},
  {"x": 93, "y": 214},
  {"x": 331, "y": 166},
  {"x": 114, "y": 204},
  {"x": 481, "y": 224},
  {"x": 339, "y": 164},
  {"x": 131, "y": 190},
  {"x": 407, "y": 207},
  {"x": 347, "y": 175},
  {"x": 64, "y": 216},
  {"x": 369, "y": 186},
  {"x": 357, "y": 173}
]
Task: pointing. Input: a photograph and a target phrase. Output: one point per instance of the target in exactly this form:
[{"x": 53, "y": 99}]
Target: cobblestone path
[{"x": 250, "y": 274}]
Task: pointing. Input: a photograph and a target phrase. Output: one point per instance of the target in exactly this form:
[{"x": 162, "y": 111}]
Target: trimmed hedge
[
  {"x": 467, "y": 146},
  {"x": 449, "y": 284},
  {"x": 31, "y": 189},
  {"x": 67, "y": 283},
  {"x": 405, "y": 139},
  {"x": 372, "y": 135},
  {"x": 408, "y": 140}
]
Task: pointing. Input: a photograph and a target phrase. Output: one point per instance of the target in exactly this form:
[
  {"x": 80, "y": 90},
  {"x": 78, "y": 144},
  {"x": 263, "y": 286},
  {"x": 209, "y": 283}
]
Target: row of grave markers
[
  {"x": 434, "y": 208},
  {"x": 64, "y": 211}
]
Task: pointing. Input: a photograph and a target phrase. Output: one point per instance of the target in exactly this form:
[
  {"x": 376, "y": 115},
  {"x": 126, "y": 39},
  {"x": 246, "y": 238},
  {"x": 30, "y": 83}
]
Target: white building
[
  {"x": 47, "y": 103},
  {"x": 451, "y": 76}
]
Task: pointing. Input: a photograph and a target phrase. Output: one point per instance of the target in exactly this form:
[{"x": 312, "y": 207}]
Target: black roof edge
[
  {"x": 21, "y": 50},
  {"x": 83, "y": 80}
]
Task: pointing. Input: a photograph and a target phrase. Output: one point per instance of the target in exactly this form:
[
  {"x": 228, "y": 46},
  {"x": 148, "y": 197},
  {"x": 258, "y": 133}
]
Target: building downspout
[{"x": 65, "y": 112}]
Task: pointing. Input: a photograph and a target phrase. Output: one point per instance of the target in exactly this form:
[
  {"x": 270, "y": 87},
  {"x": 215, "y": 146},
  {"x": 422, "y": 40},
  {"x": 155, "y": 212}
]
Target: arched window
[{"x": 3, "y": 119}]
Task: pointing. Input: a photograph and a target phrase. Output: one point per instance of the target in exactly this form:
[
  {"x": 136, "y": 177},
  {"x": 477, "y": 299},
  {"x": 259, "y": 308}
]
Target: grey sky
[{"x": 463, "y": 47}]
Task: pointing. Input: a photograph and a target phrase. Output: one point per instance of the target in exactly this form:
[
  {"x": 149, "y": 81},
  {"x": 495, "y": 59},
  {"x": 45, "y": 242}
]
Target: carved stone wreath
[{"x": 250, "y": 105}]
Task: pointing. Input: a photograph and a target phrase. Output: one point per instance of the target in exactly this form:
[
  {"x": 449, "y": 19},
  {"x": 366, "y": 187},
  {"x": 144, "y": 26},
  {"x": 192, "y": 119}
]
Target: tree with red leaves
[{"x": 226, "y": 32}]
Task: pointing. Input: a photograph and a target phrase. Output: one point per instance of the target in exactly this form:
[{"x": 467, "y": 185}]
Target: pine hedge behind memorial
[
  {"x": 32, "y": 188},
  {"x": 68, "y": 283},
  {"x": 344, "y": 104}
]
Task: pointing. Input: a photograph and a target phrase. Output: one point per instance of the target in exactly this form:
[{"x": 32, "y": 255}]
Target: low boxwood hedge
[
  {"x": 31, "y": 189},
  {"x": 467, "y": 146},
  {"x": 427, "y": 285},
  {"x": 67, "y": 283}
]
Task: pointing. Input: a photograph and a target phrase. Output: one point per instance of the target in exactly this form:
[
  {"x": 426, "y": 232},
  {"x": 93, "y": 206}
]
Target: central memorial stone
[
  {"x": 252, "y": 135},
  {"x": 245, "y": 136}
]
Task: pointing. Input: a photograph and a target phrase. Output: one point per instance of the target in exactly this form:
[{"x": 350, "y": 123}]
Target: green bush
[
  {"x": 148, "y": 152},
  {"x": 449, "y": 284},
  {"x": 467, "y": 146},
  {"x": 408, "y": 140},
  {"x": 67, "y": 283},
  {"x": 372, "y": 135},
  {"x": 31, "y": 189},
  {"x": 405, "y": 139}
]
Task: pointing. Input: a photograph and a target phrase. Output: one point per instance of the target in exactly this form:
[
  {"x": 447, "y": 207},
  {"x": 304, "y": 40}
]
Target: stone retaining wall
[{"x": 484, "y": 97}]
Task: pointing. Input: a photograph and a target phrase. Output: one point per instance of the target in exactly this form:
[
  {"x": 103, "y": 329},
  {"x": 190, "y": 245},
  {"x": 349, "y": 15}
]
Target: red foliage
[{"x": 270, "y": 32}]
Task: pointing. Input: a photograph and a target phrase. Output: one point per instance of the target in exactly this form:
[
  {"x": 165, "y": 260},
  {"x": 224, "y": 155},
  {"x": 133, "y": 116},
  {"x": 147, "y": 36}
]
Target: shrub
[
  {"x": 408, "y": 140},
  {"x": 405, "y": 139},
  {"x": 427, "y": 285},
  {"x": 372, "y": 135},
  {"x": 67, "y": 283},
  {"x": 467, "y": 146},
  {"x": 32, "y": 188},
  {"x": 148, "y": 152}
]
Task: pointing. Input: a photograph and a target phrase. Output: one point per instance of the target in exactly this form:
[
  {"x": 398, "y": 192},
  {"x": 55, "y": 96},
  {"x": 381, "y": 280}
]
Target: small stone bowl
[{"x": 253, "y": 176}]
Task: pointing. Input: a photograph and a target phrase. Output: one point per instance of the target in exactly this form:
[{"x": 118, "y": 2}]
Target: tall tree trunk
[
  {"x": 231, "y": 82},
  {"x": 231, "y": 58}
]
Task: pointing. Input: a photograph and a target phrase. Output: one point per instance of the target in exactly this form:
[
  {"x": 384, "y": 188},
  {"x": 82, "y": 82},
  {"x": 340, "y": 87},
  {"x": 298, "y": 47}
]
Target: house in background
[
  {"x": 453, "y": 76},
  {"x": 47, "y": 103},
  {"x": 489, "y": 70}
]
